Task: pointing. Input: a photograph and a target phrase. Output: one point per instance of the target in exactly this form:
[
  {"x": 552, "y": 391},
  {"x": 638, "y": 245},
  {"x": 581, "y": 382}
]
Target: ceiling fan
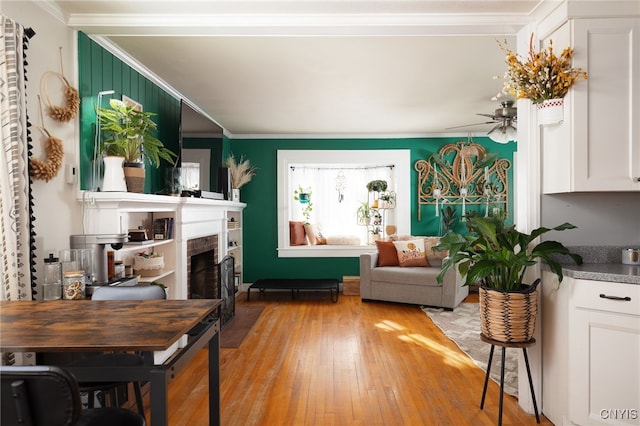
[{"x": 505, "y": 117}]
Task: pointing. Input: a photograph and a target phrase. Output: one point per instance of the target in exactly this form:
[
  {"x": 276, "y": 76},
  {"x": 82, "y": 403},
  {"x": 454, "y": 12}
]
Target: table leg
[
  {"x": 214, "y": 380},
  {"x": 486, "y": 377},
  {"x": 501, "y": 386},
  {"x": 159, "y": 397},
  {"x": 533, "y": 394}
]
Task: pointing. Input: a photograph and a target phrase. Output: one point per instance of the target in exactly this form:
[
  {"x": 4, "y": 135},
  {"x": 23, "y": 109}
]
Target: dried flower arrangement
[
  {"x": 542, "y": 76},
  {"x": 241, "y": 171}
]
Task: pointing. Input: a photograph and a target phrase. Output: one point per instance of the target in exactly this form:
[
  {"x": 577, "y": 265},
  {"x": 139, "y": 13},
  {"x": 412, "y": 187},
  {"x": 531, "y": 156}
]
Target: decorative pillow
[
  {"x": 411, "y": 253},
  {"x": 387, "y": 254},
  {"x": 313, "y": 233},
  {"x": 297, "y": 236},
  {"x": 429, "y": 243}
]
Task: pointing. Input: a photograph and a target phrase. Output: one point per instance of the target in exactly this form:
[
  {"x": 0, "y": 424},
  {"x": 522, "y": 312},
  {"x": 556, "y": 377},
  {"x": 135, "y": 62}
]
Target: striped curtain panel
[{"x": 16, "y": 237}]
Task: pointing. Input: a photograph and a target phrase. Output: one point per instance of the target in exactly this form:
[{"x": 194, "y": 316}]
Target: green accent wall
[
  {"x": 260, "y": 233},
  {"x": 99, "y": 70}
]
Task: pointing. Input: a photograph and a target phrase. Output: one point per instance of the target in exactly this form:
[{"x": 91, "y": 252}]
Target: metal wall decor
[{"x": 464, "y": 173}]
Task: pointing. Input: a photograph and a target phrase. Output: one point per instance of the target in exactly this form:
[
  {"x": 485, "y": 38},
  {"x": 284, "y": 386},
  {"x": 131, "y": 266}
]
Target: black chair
[
  {"x": 149, "y": 292},
  {"x": 49, "y": 396}
]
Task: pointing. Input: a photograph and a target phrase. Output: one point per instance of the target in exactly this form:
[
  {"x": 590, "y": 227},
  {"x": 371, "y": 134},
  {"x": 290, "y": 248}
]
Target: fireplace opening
[
  {"x": 203, "y": 277},
  {"x": 206, "y": 279}
]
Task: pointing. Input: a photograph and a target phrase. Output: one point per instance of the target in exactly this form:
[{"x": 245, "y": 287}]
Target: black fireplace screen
[{"x": 226, "y": 274}]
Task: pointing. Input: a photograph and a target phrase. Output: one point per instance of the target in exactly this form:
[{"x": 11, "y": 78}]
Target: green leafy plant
[
  {"x": 303, "y": 196},
  {"x": 497, "y": 255},
  {"x": 377, "y": 186},
  {"x": 129, "y": 133},
  {"x": 363, "y": 212},
  {"x": 376, "y": 230},
  {"x": 448, "y": 215}
]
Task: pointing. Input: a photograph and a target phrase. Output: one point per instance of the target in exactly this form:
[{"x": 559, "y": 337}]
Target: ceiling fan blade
[
  {"x": 487, "y": 115},
  {"x": 468, "y": 125},
  {"x": 495, "y": 128}
]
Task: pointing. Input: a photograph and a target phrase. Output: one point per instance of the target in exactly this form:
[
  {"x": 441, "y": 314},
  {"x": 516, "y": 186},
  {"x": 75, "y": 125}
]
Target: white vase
[
  {"x": 235, "y": 194},
  {"x": 551, "y": 111},
  {"x": 113, "y": 175}
]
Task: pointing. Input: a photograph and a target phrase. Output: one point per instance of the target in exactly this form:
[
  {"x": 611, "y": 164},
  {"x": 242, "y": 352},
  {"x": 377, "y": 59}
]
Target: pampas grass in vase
[{"x": 241, "y": 173}]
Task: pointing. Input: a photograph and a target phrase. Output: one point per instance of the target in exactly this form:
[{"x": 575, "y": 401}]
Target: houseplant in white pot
[
  {"x": 129, "y": 133},
  {"x": 496, "y": 256}
]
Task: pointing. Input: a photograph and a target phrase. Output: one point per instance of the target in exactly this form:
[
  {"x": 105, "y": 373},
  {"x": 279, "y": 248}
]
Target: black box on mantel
[{"x": 224, "y": 182}]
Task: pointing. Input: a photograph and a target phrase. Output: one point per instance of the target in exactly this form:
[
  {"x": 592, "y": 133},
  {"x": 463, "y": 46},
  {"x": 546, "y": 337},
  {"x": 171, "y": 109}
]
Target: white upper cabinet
[{"x": 597, "y": 146}]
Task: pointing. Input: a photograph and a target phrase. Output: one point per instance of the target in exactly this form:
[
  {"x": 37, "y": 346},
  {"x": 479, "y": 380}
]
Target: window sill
[{"x": 325, "y": 251}]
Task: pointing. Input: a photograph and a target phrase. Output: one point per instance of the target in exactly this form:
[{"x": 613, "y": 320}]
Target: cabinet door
[
  {"x": 606, "y": 107},
  {"x": 604, "y": 367}
]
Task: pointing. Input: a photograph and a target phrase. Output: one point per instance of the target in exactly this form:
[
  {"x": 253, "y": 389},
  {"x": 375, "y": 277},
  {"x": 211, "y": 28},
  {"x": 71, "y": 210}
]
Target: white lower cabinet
[
  {"x": 604, "y": 353},
  {"x": 590, "y": 352}
]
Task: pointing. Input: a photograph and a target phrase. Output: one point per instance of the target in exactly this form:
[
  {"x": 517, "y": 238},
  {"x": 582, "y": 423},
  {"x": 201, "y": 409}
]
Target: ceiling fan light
[{"x": 503, "y": 134}]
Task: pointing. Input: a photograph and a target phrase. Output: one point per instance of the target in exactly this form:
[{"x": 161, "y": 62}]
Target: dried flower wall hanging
[
  {"x": 542, "y": 76},
  {"x": 48, "y": 169},
  {"x": 70, "y": 110}
]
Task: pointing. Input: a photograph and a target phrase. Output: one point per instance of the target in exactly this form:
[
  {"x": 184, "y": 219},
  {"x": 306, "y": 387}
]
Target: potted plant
[
  {"x": 496, "y": 255},
  {"x": 129, "y": 133},
  {"x": 375, "y": 232},
  {"x": 543, "y": 77},
  {"x": 241, "y": 174},
  {"x": 376, "y": 186},
  {"x": 364, "y": 213},
  {"x": 448, "y": 219},
  {"x": 303, "y": 196}
]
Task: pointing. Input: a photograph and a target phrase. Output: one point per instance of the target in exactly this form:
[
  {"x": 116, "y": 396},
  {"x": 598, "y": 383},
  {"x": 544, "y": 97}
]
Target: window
[{"x": 337, "y": 180}]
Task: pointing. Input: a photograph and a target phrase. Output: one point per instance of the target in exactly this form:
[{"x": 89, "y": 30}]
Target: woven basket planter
[
  {"x": 134, "y": 177},
  {"x": 509, "y": 316}
]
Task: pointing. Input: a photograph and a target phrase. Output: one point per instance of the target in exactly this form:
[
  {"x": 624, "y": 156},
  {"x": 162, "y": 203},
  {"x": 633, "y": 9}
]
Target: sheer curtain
[
  {"x": 336, "y": 193},
  {"x": 15, "y": 210}
]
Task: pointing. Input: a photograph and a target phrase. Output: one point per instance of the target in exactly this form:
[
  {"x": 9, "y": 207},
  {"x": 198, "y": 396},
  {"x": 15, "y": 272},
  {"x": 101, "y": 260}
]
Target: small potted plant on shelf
[
  {"x": 375, "y": 233},
  {"x": 129, "y": 133},
  {"x": 376, "y": 186},
  {"x": 364, "y": 213},
  {"x": 496, "y": 256}
]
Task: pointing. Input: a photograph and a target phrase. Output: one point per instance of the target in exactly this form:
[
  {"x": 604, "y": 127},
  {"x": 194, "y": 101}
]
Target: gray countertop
[{"x": 613, "y": 272}]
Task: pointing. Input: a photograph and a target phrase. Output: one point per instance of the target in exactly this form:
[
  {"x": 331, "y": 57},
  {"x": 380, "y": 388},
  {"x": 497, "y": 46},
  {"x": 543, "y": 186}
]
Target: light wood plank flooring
[{"x": 313, "y": 362}]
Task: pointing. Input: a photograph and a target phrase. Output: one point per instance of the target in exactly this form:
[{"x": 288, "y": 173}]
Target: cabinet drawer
[{"x": 607, "y": 296}]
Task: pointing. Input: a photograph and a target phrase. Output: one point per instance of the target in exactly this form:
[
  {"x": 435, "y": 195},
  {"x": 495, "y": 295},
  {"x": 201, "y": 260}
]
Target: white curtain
[
  {"x": 15, "y": 210},
  {"x": 336, "y": 194}
]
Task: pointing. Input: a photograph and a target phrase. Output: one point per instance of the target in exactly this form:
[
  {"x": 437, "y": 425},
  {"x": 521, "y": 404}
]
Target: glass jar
[
  {"x": 73, "y": 285},
  {"x": 51, "y": 287},
  {"x": 118, "y": 269}
]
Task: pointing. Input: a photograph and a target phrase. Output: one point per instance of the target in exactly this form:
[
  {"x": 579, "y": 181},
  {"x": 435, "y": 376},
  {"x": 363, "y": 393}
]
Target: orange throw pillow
[
  {"x": 297, "y": 237},
  {"x": 387, "y": 253}
]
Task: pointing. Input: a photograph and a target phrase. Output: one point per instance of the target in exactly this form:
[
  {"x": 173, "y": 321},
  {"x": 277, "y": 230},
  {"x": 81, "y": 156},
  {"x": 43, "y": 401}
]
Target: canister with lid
[
  {"x": 51, "y": 287},
  {"x": 73, "y": 285}
]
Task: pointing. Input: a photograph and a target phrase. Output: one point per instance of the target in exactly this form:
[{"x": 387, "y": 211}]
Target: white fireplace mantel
[{"x": 117, "y": 212}]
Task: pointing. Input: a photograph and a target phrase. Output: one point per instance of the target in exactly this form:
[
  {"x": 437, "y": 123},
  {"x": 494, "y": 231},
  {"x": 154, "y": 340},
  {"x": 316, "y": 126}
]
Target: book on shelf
[{"x": 163, "y": 228}]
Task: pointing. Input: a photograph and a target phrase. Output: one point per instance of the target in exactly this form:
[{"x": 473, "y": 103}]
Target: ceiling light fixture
[{"x": 503, "y": 133}]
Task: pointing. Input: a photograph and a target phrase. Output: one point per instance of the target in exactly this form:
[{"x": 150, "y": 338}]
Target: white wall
[
  {"x": 603, "y": 219},
  {"x": 57, "y": 213}
]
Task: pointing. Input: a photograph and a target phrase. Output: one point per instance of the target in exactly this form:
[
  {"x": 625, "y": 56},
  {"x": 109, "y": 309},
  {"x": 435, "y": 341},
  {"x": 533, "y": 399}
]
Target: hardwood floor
[{"x": 313, "y": 362}]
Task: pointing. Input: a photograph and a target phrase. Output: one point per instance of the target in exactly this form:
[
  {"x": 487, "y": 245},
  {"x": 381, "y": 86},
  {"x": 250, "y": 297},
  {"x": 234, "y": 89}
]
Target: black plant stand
[{"x": 505, "y": 345}]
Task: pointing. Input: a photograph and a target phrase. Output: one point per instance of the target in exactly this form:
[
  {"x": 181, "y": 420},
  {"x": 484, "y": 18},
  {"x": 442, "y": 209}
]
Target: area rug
[
  {"x": 462, "y": 325},
  {"x": 236, "y": 330}
]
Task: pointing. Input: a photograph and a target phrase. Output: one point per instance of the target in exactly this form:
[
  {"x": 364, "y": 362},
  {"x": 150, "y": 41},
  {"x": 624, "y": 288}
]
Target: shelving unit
[
  {"x": 166, "y": 247},
  {"x": 234, "y": 242},
  {"x": 378, "y": 218}
]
